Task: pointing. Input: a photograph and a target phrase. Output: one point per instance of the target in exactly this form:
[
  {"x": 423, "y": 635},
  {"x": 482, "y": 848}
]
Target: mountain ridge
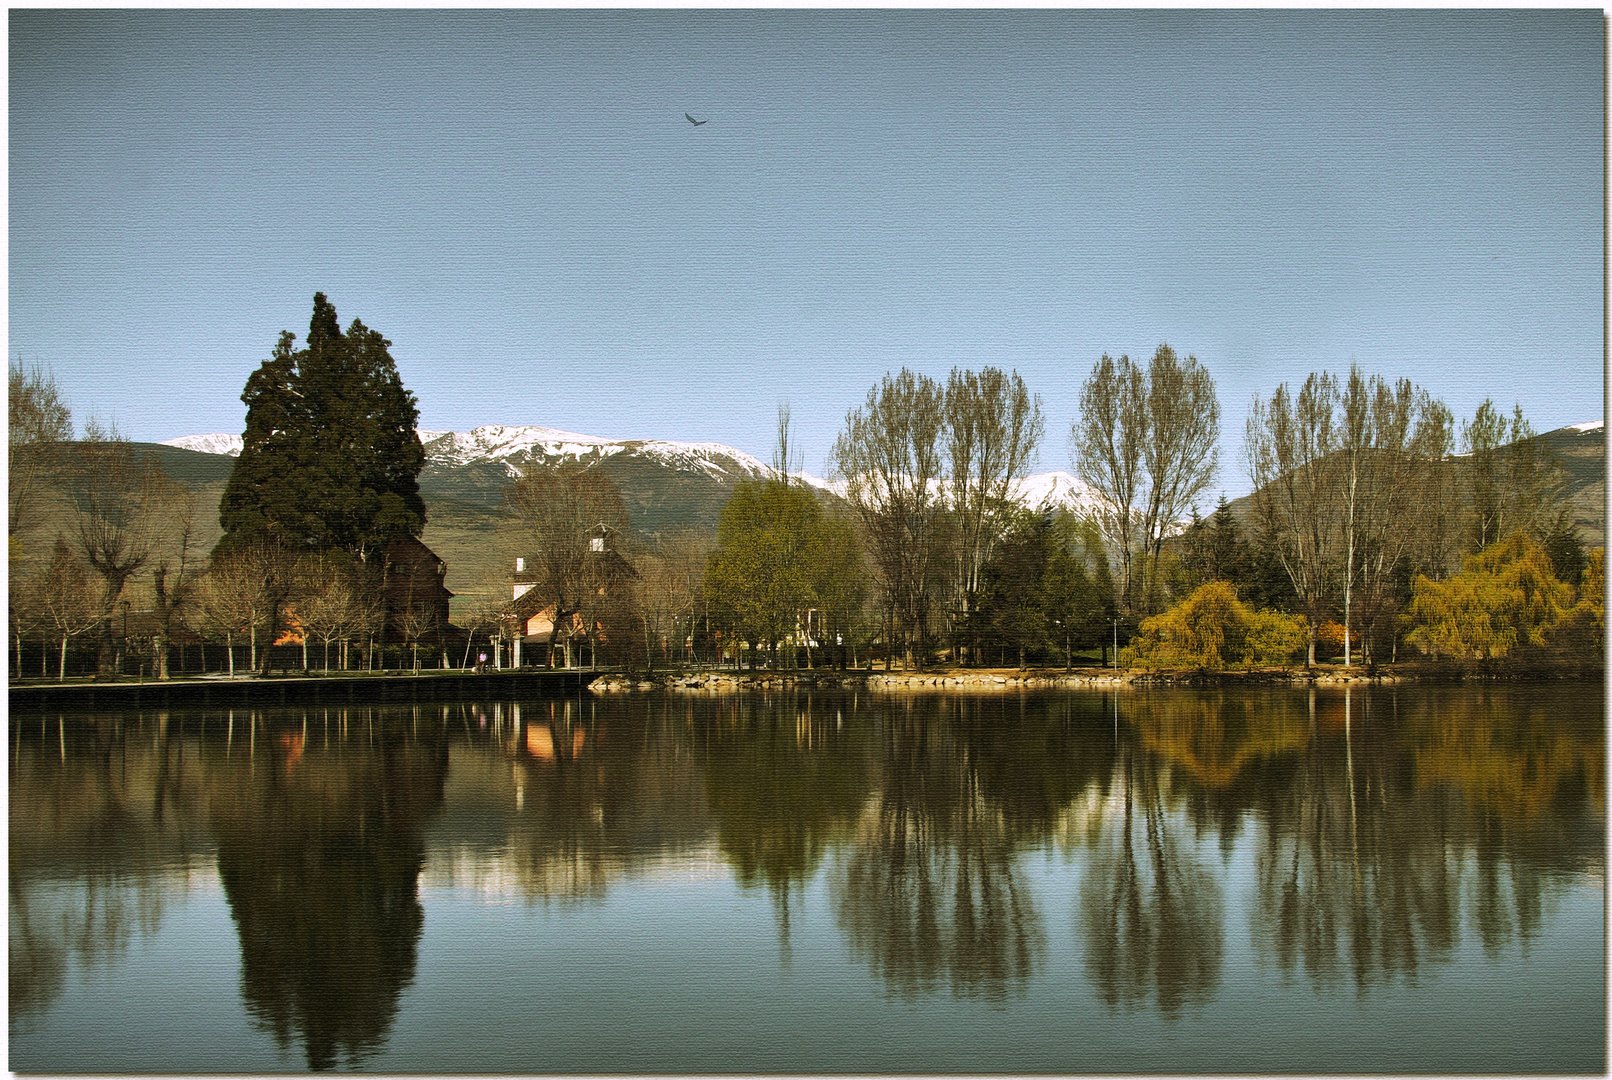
[{"x": 513, "y": 446}]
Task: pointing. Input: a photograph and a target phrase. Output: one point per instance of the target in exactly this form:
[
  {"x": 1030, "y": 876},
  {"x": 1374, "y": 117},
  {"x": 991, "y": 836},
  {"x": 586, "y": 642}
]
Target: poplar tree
[
  {"x": 890, "y": 459},
  {"x": 330, "y": 458}
]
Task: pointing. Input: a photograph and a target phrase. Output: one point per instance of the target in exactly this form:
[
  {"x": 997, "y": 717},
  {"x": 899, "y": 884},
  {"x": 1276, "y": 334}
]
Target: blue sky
[{"x": 516, "y": 200}]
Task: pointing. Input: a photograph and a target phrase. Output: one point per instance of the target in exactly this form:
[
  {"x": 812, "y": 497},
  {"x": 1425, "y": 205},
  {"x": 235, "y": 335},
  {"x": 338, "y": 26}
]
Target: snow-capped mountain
[
  {"x": 229, "y": 445},
  {"x": 512, "y": 446}
]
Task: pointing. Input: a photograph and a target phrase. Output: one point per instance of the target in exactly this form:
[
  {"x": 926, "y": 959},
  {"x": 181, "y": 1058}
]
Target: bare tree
[
  {"x": 1107, "y": 441},
  {"x": 993, "y": 426},
  {"x": 38, "y": 423},
  {"x": 122, "y": 513},
  {"x": 1179, "y": 455},
  {"x": 1147, "y": 446},
  {"x": 889, "y": 459},
  {"x": 1286, "y": 446},
  {"x": 670, "y": 572},
  {"x": 1392, "y": 440},
  {"x": 68, "y": 598},
  {"x": 173, "y": 581},
  {"x": 246, "y": 590},
  {"x": 1514, "y": 483},
  {"x": 329, "y": 601},
  {"x": 550, "y": 517}
]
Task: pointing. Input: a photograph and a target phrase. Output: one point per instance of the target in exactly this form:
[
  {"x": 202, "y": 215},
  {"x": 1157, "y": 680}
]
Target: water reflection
[
  {"x": 1150, "y": 912},
  {"x": 105, "y": 832},
  {"x": 782, "y": 782},
  {"x": 320, "y": 845},
  {"x": 1344, "y": 841}
]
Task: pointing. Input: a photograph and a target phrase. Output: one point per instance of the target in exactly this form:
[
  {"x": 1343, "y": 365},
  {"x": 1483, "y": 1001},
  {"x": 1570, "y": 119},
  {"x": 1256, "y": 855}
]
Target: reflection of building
[{"x": 533, "y": 613}]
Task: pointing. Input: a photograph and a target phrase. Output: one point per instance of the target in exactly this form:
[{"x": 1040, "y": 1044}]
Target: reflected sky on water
[{"x": 1405, "y": 879}]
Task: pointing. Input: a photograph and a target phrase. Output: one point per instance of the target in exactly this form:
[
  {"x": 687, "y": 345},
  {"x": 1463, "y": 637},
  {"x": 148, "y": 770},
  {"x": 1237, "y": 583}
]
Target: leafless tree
[
  {"x": 329, "y": 601},
  {"x": 551, "y": 514},
  {"x": 1146, "y": 444},
  {"x": 1514, "y": 483},
  {"x": 38, "y": 423},
  {"x": 245, "y": 591},
  {"x": 1286, "y": 446},
  {"x": 1179, "y": 455},
  {"x": 173, "y": 581},
  {"x": 889, "y": 459},
  {"x": 670, "y": 571},
  {"x": 1392, "y": 441},
  {"x": 123, "y": 511},
  {"x": 1107, "y": 441},
  {"x": 68, "y": 598},
  {"x": 993, "y": 429}
]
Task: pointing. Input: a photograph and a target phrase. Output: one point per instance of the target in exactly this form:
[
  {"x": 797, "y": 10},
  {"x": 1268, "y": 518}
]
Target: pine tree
[{"x": 330, "y": 456}]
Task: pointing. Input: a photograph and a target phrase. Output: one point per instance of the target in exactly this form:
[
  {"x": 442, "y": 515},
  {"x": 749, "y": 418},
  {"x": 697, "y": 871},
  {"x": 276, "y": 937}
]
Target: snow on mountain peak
[
  {"x": 514, "y": 445},
  {"x": 218, "y": 443}
]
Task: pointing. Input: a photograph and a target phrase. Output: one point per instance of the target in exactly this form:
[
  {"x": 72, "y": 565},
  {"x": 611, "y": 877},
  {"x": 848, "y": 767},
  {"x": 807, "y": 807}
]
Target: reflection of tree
[
  {"x": 319, "y": 854},
  {"x": 929, "y": 893},
  {"x": 1151, "y": 921},
  {"x": 1394, "y": 819},
  {"x": 96, "y": 819},
  {"x": 781, "y": 781},
  {"x": 1356, "y": 884}
]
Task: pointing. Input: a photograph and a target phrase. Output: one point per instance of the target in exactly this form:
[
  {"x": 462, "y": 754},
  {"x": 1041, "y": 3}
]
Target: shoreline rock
[{"x": 955, "y": 680}]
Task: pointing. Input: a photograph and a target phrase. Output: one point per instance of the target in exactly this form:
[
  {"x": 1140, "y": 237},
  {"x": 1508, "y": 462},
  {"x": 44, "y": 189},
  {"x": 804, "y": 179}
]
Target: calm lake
[{"x": 1406, "y": 879}]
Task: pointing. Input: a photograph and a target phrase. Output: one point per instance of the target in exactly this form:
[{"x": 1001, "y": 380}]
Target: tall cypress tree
[{"x": 330, "y": 457}]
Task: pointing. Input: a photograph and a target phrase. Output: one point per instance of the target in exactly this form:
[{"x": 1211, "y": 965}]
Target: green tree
[
  {"x": 1581, "y": 634},
  {"x": 765, "y": 572},
  {"x": 330, "y": 457},
  {"x": 1014, "y": 595}
]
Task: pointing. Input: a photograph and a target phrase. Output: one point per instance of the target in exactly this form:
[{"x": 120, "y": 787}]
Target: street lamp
[{"x": 124, "y": 645}]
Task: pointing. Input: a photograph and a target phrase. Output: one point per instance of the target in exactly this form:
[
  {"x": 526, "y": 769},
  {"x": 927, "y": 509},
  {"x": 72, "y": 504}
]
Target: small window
[{"x": 597, "y": 543}]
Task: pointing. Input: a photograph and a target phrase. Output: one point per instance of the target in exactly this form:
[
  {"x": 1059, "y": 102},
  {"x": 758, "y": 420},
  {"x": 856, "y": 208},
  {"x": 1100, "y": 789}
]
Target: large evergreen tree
[{"x": 330, "y": 456}]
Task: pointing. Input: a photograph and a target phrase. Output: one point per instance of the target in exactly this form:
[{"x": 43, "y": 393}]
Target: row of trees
[{"x": 1359, "y": 498}]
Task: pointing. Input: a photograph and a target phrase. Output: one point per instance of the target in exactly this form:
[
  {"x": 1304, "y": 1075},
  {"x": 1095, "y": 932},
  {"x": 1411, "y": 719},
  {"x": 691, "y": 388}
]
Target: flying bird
[{"x": 693, "y": 121}]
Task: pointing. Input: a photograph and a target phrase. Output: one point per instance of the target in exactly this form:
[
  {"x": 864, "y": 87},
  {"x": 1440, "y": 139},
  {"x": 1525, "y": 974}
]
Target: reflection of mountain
[
  {"x": 1382, "y": 832},
  {"x": 320, "y": 855}
]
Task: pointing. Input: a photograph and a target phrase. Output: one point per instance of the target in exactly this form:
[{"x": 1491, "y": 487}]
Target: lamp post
[
  {"x": 1115, "y": 621},
  {"x": 123, "y": 645}
]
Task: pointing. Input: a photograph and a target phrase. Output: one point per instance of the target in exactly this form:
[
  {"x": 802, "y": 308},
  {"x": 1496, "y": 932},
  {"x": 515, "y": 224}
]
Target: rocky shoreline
[{"x": 971, "y": 680}]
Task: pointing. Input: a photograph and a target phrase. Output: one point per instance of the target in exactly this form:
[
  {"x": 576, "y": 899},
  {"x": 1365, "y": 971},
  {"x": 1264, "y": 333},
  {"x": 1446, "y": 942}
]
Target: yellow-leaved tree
[
  {"x": 1213, "y": 629},
  {"x": 1505, "y": 597}
]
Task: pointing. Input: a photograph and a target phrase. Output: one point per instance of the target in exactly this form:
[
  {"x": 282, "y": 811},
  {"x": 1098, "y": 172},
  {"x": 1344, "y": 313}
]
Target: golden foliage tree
[
  {"x": 1505, "y": 597},
  {"x": 1213, "y": 629}
]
